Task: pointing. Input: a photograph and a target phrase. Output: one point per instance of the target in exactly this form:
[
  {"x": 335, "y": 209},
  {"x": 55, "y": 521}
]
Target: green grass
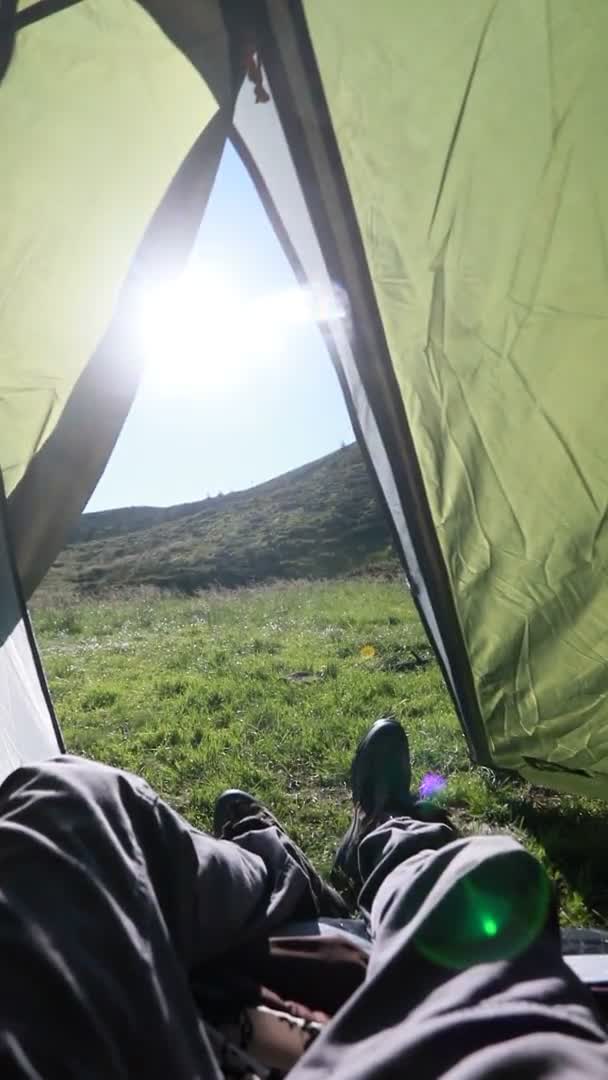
[{"x": 268, "y": 689}]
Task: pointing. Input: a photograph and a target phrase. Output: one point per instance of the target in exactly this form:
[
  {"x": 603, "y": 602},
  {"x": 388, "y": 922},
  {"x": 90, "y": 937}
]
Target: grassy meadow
[{"x": 269, "y": 689}]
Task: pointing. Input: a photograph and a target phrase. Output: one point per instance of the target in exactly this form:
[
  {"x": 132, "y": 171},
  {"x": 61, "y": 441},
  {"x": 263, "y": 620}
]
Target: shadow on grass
[{"x": 576, "y": 845}]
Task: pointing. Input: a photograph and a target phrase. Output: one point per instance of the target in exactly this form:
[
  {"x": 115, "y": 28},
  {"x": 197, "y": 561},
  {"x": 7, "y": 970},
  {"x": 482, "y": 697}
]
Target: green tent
[{"x": 448, "y": 177}]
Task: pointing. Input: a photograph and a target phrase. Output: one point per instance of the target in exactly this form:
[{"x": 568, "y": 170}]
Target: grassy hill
[{"x": 321, "y": 520}]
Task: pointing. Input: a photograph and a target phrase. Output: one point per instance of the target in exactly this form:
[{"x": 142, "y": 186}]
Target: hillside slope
[{"x": 320, "y": 520}]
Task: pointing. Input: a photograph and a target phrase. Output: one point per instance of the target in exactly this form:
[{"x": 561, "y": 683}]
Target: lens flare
[
  {"x": 431, "y": 784},
  {"x": 201, "y": 330},
  {"x": 489, "y": 925},
  {"x": 495, "y": 911}
]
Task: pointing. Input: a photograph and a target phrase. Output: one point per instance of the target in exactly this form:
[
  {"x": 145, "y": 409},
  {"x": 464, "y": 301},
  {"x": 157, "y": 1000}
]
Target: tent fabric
[
  {"x": 91, "y": 138},
  {"x": 510, "y": 694},
  {"x": 52, "y": 494},
  {"x": 448, "y": 175},
  {"x": 102, "y": 104},
  {"x": 476, "y": 153},
  {"x": 111, "y": 140},
  {"x": 28, "y": 728}
]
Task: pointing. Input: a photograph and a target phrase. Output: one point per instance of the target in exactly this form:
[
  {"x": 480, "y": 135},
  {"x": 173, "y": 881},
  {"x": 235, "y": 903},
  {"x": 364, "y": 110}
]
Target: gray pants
[{"x": 109, "y": 900}]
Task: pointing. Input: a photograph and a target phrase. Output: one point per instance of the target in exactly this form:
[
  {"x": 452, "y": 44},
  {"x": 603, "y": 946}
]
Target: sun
[
  {"x": 193, "y": 331},
  {"x": 200, "y": 331}
]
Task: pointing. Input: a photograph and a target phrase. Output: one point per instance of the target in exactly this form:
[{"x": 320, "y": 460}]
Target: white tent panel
[
  {"x": 27, "y": 732},
  {"x": 27, "y": 728}
]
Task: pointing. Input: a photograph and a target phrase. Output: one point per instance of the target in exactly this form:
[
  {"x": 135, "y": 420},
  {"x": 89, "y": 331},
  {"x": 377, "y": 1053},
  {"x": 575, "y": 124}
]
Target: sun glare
[{"x": 200, "y": 331}]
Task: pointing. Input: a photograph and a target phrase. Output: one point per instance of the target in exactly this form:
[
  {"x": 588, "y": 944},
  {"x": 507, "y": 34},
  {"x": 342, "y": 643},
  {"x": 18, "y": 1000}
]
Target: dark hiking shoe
[
  {"x": 234, "y": 806},
  {"x": 380, "y": 779},
  {"x": 380, "y": 774},
  {"x": 236, "y": 812}
]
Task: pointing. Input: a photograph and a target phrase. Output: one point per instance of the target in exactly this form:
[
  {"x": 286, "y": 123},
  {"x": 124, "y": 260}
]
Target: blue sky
[{"x": 224, "y": 423}]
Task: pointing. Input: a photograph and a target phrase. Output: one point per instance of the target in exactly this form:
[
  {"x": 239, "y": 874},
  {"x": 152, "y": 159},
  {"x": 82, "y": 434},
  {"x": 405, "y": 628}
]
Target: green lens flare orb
[
  {"x": 494, "y": 912},
  {"x": 490, "y": 926}
]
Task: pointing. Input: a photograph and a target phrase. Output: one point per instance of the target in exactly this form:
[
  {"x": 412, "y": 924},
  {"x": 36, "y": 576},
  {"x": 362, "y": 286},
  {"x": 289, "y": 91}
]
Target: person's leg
[
  {"x": 395, "y": 841},
  {"x": 465, "y": 977},
  {"x": 380, "y": 785},
  {"x": 108, "y": 899},
  {"x": 244, "y": 820}
]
